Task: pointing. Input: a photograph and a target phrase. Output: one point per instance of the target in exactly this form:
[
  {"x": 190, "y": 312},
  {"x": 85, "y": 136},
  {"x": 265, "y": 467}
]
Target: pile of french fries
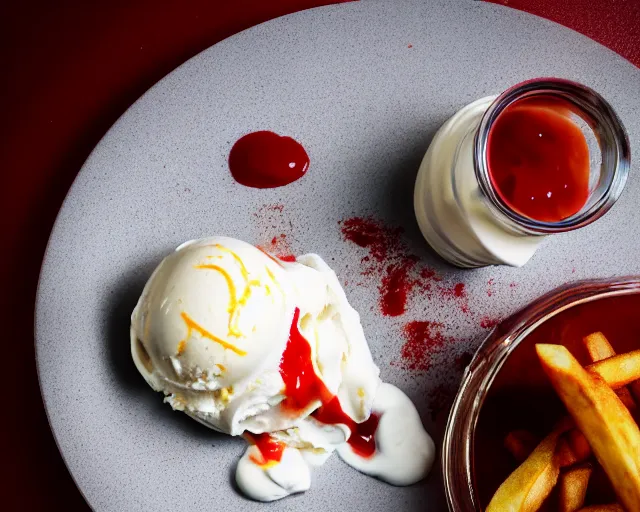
[{"x": 601, "y": 399}]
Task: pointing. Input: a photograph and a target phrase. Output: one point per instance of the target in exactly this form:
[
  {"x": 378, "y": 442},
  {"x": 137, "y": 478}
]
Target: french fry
[
  {"x": 529, "y": 485},
  {"x": 520, "y": 443},
  {"x": 618, "y": 371},
  {"x": 567, "y": 456},
  {"x": 579, "y": 444},
  {"x": 613, "y": 507},
  {"x": 599, "y": 348},
  {"x": 573, "y": 488},
  {"x": 600, "y": 415}
]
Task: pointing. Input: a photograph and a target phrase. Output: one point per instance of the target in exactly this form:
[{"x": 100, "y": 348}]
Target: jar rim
[
  {"x": 613, "y": 134},
  {"x": 458, "y": 442}
]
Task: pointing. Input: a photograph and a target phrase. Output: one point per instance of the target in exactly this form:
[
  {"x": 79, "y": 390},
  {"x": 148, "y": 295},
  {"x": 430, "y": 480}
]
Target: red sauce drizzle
[
  {"x": 303, "y": 387},
  {"x": 267, "y": 160},
  {"x": 539, "y": 160},
  {"x": 270, "y": 449},
  {"x": 362, "y": 440}
]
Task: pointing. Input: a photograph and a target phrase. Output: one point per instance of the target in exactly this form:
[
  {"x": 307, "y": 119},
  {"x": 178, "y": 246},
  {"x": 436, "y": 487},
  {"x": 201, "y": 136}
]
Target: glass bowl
[{"x": 518, "y": 389}]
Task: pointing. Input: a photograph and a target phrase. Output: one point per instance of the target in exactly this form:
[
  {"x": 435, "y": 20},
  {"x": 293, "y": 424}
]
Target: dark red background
[{"x": 70, "y": 69}]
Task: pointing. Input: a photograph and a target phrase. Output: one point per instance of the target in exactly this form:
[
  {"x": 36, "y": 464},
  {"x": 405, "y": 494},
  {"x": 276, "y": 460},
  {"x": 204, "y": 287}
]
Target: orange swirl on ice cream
[
  {"x": 274, "y": 280},
  {"x": 275, "y": 260},
  {"x": 194, "y": 326},
  {"x": 235, "y": 303},
  {"x": 243, "y": 268}
]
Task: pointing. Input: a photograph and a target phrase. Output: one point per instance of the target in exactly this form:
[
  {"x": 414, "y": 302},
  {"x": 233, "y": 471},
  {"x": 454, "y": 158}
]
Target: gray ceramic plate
[{"x": 363, "y": 87}]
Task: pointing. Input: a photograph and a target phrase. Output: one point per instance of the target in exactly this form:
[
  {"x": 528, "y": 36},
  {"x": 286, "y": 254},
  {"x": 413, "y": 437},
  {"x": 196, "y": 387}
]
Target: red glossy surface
[
  {"x": 539, "y": 161},
  {"x": 70, "y": 70},
  {"x": 302, "y": 385},
  {"x": 362, "y": 439},
  {"x": 267, "y": 160},
  {"x": 270, "y": 449},
  {"x": 303, "y": 388}
]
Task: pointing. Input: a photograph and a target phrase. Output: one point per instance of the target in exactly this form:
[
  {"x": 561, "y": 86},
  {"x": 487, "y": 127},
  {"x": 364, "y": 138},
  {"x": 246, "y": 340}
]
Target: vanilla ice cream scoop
[
  {"x": 209, "y": 330},
  {"x": 212, "y": 325},
  {"x": 251, "y": 345}
]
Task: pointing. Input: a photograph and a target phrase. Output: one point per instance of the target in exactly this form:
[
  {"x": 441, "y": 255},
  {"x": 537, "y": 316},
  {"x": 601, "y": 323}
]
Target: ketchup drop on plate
[
  {"x": 267, "y": 160},
  {"x": 539, "y": 160}
]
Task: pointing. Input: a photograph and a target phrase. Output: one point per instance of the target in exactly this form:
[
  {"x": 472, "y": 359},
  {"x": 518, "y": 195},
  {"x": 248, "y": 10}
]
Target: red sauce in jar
[{"x": 538, "y": 160}]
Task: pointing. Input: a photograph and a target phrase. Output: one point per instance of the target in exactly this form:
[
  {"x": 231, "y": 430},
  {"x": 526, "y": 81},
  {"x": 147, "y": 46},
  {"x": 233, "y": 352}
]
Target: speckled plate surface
[{"x": 363, "y": 87}]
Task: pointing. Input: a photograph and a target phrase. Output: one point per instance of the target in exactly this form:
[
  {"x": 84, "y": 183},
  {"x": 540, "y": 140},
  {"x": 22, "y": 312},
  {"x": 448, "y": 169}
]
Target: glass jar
[
  {"x": 458, "y": 443},
  {"x": 459, "y": 208}
]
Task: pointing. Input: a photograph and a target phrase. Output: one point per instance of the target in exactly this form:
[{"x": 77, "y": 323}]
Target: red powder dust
[
  {"x": 490, "y": 288},
  {"x": 395, "y": 288},
  {"x": 279, "y": 247},
  {"x": 426, "y": 280},
  {"x": 457, "y": 292},
  {"x": 429, "y": 273},
  {"x": 389, "y": 262},
  {"x": 381, "y": 241},
  {"x": 488, "y": 322},
  {"x": 273, "y": 227},
  {"x": 423, "y": 341},
  {"x": 409, "y": 46}
]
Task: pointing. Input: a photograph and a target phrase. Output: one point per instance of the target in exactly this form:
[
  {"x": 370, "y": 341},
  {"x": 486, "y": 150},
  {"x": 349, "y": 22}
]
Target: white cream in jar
[{"x": 449, "y": 206}]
